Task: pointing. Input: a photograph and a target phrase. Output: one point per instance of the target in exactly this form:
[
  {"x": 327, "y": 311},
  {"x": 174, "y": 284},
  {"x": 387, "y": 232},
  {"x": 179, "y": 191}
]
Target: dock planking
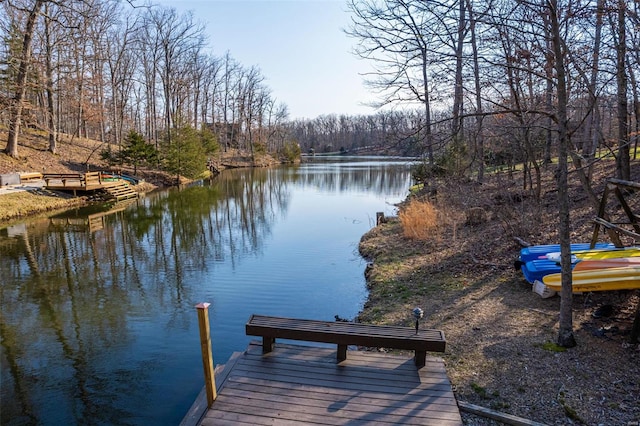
[{"x": 299, "y": 384}]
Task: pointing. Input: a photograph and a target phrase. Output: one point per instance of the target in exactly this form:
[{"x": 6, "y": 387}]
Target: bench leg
[
  {"x": 420, "y": 358},
  {"x": 342, "y": 352},
  {"x": 267, "y": 344}
]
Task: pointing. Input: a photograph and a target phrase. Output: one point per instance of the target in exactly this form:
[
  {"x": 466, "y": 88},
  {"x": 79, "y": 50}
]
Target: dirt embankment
[{"x": 500, "y": 335}]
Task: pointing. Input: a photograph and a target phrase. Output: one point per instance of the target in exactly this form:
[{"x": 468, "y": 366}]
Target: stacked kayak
[
  {"x": 603, "y": 268},
  {"x": 535, "y": 264},
  {"x": 607, "y": 279},
  {"x": 541, "y": 251},
  {"x": 614, "y": 262},
  {"x": 535, "y": 270}
]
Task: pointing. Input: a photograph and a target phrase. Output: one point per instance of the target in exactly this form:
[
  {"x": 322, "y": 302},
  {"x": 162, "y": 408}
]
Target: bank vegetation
[{"x": 451, "y": 252}]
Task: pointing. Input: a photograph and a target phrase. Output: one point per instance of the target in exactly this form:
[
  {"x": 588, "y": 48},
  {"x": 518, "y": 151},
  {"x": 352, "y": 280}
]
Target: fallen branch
[
  {"x": 508, "y": 419},
  {"x": 522, "y": 242},
  {"x": 540, "y": 311},
  {"x": 480, "y": 262}
]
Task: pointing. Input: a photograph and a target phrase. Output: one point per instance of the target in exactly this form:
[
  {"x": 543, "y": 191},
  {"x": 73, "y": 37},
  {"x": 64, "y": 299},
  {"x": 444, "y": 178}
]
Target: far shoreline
[{"x": 31, "y": 202}]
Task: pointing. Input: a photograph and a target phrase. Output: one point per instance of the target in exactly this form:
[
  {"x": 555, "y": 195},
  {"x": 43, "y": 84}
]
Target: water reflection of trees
[
  {"x": 68, "y": 294},
  {"x": 392, "y": 178},
  {"x": 49, "y": 307}
]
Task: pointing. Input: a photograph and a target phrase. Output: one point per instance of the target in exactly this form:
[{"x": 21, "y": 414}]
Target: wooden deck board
[{"x": 298, "y": 384}]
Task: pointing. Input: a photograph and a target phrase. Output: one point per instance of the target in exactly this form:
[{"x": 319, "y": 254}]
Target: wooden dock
[
  {"x": 117, "y": 189},
  {"x": 298, "y": 384}
]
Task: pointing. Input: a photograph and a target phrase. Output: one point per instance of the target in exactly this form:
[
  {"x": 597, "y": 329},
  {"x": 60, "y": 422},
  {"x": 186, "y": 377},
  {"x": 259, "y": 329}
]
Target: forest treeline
[{"x": 463, "y": 83}]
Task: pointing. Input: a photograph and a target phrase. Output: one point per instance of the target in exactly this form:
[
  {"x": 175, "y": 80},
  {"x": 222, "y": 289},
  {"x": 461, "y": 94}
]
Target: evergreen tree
[
  {"x": 137, "y": 152},
  {"x": 185, "y": 155}
]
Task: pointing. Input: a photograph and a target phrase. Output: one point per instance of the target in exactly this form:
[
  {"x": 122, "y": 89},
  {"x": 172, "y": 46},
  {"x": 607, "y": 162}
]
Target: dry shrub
[{"x": 419, "y": 220}]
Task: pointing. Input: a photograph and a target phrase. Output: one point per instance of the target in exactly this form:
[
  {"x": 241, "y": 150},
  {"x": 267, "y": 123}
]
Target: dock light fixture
[{"x": 417, "y": 314}]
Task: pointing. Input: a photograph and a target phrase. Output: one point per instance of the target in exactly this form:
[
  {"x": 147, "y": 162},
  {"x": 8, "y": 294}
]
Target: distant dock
[{"x": 116, "y": 188}]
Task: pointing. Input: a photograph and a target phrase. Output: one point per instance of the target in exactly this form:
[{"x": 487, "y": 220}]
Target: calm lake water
[{"x": 98, "y": 324}]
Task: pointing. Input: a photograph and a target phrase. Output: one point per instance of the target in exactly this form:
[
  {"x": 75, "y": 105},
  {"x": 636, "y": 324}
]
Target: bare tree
[
  {"x": 175, "y": 37},
  {"x": 211, "y": 90},
  {"x": 51, "y": 115},
  {"x": 21, "y": 80},
  {"x": 479, "y": 131},
  {"x": 121, "y": 65},
  {"x": 592, "y": 130},
  {"x": 393, "y": 35},
  {"x": 623, "y": 168},
  {"x": 565, "y": 332},
  {"x": 633, "y": 65}
]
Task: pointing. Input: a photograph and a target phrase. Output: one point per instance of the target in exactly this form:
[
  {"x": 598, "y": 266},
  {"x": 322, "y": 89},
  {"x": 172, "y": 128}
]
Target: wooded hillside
[{"x": 473, "y": 84}]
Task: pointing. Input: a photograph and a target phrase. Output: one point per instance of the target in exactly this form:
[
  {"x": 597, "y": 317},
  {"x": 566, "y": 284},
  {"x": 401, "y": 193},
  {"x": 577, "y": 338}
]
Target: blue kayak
[
  {"x": 534, "y": 270},
  {"x": 538, "y": 252}
]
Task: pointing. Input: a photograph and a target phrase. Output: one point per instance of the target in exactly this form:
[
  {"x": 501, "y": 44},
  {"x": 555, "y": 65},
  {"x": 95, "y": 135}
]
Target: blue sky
[{"x": 298, "y": 45}]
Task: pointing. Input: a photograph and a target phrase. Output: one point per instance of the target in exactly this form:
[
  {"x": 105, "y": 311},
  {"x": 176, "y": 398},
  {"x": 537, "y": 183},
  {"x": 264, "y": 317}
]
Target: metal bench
[{"x": 346, "y": 333}]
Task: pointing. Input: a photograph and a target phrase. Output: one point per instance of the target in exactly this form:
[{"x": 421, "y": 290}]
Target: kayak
[
  {"x": 615, "y": 262},
  {"x": 543, "y": 262},
  {"x": 597, "y": 254},
  {"x": 608, "y": 254},
  {"x": 535, "y": 270},
  {"x": 540, "y": 251},
  {"x": 608, "y": 279}
]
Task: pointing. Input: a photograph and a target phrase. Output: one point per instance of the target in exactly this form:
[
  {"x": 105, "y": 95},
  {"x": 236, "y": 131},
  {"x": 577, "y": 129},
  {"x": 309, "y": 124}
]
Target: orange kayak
[{"x": 615, "y": 262}]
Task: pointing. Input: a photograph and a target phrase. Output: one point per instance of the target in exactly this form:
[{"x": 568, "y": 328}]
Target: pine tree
[
  {"x": 137, "y": 152},
  {"x": 185, "y": 155}
]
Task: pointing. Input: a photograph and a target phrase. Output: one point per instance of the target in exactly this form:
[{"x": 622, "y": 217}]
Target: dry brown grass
[
  {"x": 419, "y": 220},
  {"x": 28, "y": 203},
  {"x": 424, "y": 220},
  {"x": 75, "y": 155}
]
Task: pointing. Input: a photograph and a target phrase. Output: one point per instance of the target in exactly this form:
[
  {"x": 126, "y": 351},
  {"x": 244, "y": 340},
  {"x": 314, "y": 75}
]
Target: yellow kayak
[
  {"x": 608, "y": 254},
  {"x": 597, "y": 254},
  {"x": 623, "y": 278}
]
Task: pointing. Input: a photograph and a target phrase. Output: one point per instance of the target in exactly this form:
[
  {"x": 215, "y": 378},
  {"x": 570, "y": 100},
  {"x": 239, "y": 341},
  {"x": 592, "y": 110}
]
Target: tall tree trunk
[
  {"x": 21, "y": 82},
  {"x": 428, "y": 137},
  {"x": 623, "y": 168},
  {"x": 565, "y": 333},
  {"x": 592, "y": 130},
  {"x": 458, "y": 95},
  {"x": 636, "y": 109},
  {"x": 549, "y": 106},
  {"x": 479, "y": 140},
  {"x": 51, "y": 118}
]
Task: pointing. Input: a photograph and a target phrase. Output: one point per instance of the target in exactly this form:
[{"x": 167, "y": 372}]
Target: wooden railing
[
  {"x": 82, "y": 180},
  {"x": 65, "y": 178}
]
